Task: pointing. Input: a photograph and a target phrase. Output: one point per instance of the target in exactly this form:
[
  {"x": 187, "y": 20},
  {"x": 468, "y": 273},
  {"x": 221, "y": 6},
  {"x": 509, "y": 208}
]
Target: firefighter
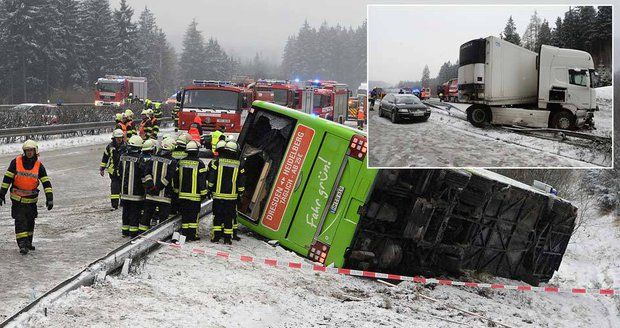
[
  {"x": 157, "y": 110},
  {"x": 24, "y": 174},
  {"x": 154, "y": 124},
  {"x": 195, "y": 129},
  {"x": 181, "y": 142},
  {"x": 373, "y": 97},
  {"x": 175, "y": 116},
  {"x": 159, "y": 177},
  {"x": 361, "y": 117},
  {"x": 111, "y": 161},
  {"x": 226, "y": 183},
  {"x": 148, "y": 103},
  {"x": 145, "y": 128},
  {"x": 132, "y": 190},
  {"x": 191, "y": 190},
  {"x": 129, "y": 99},
  {"x": 215, "y": 137},
  {"x": 130, "y": 126},
  {"x": 146, "y": 160},
  {"x": 118, "y": 119}
]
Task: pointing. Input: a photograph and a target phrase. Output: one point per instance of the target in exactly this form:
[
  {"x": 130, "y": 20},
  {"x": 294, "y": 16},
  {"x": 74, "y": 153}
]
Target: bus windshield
[
  {"x": 264, "y": 139},
  {"x": 211, "y": 99},
  {"x": 280, "y": 97},
  {"x": 108, "y": 86}
]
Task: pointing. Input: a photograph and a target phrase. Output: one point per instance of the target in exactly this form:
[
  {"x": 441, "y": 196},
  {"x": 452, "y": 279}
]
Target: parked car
[
  {"x": 48, "y": 113},
  {"x": 403, "y": 107}
]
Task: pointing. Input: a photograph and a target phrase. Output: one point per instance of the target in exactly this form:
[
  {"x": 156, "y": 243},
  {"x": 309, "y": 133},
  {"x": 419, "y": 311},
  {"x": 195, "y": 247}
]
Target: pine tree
[
  {"x": 557, "y": 34},
  {"x": 544, "y": 36},
  {"x": 531, "y": 34},
  {"x": 98, "y": 32},
  {"x": 70, "y": 40},
  {"x": 192, "y": 65},
  {"x": 426, "y": 75},
  {"x": 126, "y": 52},
  {"x": 510, "y": 32}
]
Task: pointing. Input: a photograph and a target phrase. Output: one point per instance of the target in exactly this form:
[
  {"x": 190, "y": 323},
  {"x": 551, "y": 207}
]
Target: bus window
[{"x": 265, "y": 141}]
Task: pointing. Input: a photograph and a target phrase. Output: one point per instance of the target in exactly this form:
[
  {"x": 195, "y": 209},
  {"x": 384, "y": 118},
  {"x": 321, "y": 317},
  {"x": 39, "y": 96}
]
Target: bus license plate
[{"x": 336, "y": 202}]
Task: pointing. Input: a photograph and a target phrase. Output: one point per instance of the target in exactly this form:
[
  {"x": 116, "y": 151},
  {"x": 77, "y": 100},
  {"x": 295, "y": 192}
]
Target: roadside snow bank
[{"x": 605, "y": 92}]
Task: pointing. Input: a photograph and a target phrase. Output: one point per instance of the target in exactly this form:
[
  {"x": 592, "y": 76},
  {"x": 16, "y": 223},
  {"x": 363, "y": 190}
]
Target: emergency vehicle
[
  {"x": 308, "y": 187},
  {"x": 425, "y": 93},
  {"x": 329, "y": 99},
  {"x": 451, "y": 90},
  {"x": 262, "y": 90},
  {"x": 113, "y": 90},
  {"x": 217, "y": 103}
]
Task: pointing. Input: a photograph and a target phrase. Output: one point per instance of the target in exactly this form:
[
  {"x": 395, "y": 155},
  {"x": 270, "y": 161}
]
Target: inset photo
[{"x": 514, "y": 86}]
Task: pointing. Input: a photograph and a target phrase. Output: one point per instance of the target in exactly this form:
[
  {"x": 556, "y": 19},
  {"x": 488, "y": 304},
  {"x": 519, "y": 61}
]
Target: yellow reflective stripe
[
  {"x": 45, "y": 179},
  {"x": 211, "y": 184},
  {"x": 23, "y": 199},
  {"x": 9, "y": 174},
  {"x": 184, "y": 225},
  {"x": 143, "y": 228},
  {"x": 125, "y": 227},
  {"x": 115, "y": 196},
  {"x": 224, "y": 196},
  {"x": 5, "y": 185},
  {"x": 103, "y": 164},
  {"x": 220, "y": 172},
  {"x": 202, "y": 170},
  {"x": 21, "y": 235},
  {"x": 47, "y": 190},
  {"x": 192, "y": 225},
  {"x": 217, "y": 228},
  {"x": 228, "y": 231},
  {"x": 194, "y": 182},
  {"x": 133, "y": 229},
  {"x": 203, "y": 192},
  {"x": 236, "y": 226}
]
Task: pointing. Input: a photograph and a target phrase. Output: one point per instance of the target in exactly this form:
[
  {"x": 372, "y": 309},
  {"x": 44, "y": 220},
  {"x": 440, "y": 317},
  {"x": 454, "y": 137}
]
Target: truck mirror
[{"x": 179, "y": 97}]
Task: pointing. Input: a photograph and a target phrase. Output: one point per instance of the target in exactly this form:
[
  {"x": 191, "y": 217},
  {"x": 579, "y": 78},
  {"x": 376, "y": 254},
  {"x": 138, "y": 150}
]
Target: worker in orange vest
[
  {"x": 361, "y": 118},
  {"x": 146, "y": 126},
  {"x": 24, "y": 174},
  {"x": 195, "y": 129}
]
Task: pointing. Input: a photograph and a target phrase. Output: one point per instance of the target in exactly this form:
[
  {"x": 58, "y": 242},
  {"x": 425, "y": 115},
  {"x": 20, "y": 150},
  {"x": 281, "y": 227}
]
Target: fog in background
[{"x": 402, "y": 39}]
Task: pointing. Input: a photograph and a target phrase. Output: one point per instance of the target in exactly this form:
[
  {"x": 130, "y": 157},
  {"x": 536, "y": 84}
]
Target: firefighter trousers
[
  {"x": 224, "y": 214},
  {"x": 154, "y": 212},
  {"x": 24, "y": 215},
  {"x": 190, "y": 212},
  {"x": 115, "y": 190},
  {"x": 132, "y": 211}
]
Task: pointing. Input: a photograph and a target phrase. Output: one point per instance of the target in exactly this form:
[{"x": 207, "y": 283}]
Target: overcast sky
[
  {"x": 244, "y": 27},
  {"x": 431, "y": 35}
]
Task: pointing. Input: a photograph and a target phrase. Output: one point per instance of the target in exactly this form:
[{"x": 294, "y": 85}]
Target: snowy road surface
[
  {"x": 449, "y": 141},
  {"x": 78, "y": 230},
  {"x": 176, "y": 288}
]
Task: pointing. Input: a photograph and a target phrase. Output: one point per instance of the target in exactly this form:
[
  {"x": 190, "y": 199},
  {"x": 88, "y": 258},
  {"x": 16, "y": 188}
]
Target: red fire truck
[
  {"x": 112, "y": 90},
  {"x": 329, "y": 99},
  {"x": 450, "y": 90},
  {"x": 217, "y": 103},
  {"x": 262, "y": 90},
  {"x": 284, "y": 93}
]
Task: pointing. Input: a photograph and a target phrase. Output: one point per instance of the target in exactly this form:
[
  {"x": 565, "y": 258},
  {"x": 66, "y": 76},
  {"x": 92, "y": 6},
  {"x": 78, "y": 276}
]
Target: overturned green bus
[{"x": 308, "y": 186}]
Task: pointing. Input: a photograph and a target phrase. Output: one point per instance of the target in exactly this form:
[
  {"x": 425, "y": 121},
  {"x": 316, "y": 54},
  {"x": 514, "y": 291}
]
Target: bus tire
[
  {"x": 479, "y": 115},
  {"x": 563, "y": 120}
]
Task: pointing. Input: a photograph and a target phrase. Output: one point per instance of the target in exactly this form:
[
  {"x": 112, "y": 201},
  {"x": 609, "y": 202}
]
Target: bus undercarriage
[{"x": 431, "y": 222}]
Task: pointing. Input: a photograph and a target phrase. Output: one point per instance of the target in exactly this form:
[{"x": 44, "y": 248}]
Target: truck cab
[
  {"x": 217, "y": 103},
  {"x": 112, "y": 90}
]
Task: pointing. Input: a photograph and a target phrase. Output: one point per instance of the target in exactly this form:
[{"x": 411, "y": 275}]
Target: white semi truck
[{"x": 510, "y": 85}]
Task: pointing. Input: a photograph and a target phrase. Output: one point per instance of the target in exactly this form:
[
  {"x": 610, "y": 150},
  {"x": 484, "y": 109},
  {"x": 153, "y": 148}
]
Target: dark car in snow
[{"x": 399, "y": 107}]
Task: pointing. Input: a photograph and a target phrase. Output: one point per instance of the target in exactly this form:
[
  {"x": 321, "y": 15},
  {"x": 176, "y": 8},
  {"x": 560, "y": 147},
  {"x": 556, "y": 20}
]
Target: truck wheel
[
  {"x": 479, "y": 116},
  {"x": 564, "y": 120}
]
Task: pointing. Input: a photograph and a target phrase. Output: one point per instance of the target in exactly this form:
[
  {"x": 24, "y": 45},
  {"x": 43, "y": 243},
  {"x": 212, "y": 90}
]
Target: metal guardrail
[
  {"x": 113, "y": 261},
  {"x": 67, "y": 104},
  {"x": 47, "y": 130}
]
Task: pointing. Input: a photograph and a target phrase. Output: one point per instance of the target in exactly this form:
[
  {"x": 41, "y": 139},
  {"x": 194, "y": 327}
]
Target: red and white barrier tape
[{"x": 377, "y": 275}]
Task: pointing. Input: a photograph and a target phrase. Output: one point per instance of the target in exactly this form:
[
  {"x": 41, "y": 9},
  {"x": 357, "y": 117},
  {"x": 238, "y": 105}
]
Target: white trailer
[{"x": 510, "y": 85}]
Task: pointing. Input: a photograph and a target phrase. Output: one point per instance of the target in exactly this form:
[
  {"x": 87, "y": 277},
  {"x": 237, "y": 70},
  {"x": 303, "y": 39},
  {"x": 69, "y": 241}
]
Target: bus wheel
[
  {"x": 478, "y": 115},
  {"x": 564, "y": 120}
]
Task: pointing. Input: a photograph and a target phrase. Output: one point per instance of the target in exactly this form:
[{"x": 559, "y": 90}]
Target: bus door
[{"x": 319, "y": 192}]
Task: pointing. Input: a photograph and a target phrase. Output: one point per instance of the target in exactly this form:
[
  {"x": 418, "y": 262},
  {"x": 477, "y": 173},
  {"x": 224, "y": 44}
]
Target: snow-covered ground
[
  {"x": 175, "y": 287},
  {"x": 446, "y": 140}
]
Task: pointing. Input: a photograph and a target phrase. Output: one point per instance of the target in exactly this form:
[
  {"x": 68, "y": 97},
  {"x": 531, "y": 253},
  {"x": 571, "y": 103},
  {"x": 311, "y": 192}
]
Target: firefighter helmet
[
  {"x": 192, "y": 146},
  {"x": 168, "y": 144},
  {"x": 220, "y": 144},
  {"x": 130, "y": 94},
  {"x": 135, "y": 141},
  {"x": 148, "y": 145},
  {"x": 118, "y": 133},
  {"x": 30, "y": 144},
  {"x": 118, "y": 116},
  {"x": 231, "y": 145},
  {"x": 149, "y": 112},
  {"x": 182, "y": 139},
  {"x": 144, "y": 112},
  {"x": 129, "y": 113}
]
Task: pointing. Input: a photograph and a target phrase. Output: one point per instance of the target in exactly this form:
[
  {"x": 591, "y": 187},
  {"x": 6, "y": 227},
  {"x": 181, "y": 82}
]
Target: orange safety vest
[
  {"x": 123, "y": 127},
  {"x": 25, "y": 182},
  {"x": 360, "y": 114},
  {"x": 193, "y": 131},
  {"x": 141, "y": 130}
]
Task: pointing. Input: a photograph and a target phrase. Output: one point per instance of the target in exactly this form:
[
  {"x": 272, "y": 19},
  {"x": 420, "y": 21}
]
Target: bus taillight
[
  {"x": 358, "y": 147},
  {"x": 318, "y": 252}
]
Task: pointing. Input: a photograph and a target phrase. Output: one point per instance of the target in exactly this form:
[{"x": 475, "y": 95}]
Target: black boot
[
  {"x": 235, "y": 236},
  {"x": 227, "y": 241},
  {"x": 23, "y": 250},
  {"x": 29, "y": 244}
]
